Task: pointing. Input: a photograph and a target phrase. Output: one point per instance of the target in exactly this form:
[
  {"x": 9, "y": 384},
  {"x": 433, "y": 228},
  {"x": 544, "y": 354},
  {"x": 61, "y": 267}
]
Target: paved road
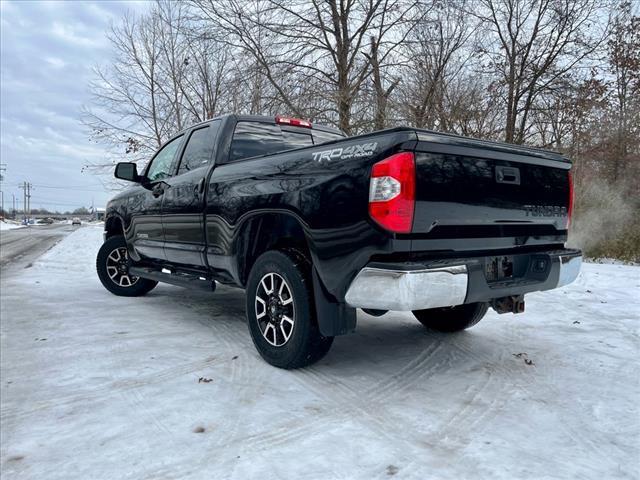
[{"x": 21, "y": 246}]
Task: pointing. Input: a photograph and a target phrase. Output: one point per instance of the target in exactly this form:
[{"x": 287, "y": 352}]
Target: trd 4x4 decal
[{"x": 354, "y": 151}]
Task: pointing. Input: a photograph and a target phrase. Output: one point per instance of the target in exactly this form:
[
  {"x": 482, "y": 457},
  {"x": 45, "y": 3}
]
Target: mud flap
[{"x": 334, "y": 318}]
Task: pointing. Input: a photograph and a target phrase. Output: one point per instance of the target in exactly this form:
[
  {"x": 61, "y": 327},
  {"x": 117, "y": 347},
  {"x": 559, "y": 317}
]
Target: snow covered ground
[
  {"x": 169, "y": 386},
  {"x": 9, "y": 226}
]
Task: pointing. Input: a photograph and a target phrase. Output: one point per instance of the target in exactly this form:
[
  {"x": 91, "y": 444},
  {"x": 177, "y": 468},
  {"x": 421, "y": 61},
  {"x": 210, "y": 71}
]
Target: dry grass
[{"x": 607, "y": 222}]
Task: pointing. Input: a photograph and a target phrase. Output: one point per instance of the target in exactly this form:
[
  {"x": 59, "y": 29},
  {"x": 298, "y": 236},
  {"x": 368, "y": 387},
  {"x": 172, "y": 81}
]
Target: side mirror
[{"x": 127, "y": 171}]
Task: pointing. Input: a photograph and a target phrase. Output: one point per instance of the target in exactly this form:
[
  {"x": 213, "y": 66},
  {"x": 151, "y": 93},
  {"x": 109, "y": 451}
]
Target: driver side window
[{"x": 163, "y": 164}]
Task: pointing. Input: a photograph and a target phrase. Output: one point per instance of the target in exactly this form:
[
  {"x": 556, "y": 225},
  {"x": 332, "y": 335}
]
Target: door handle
[
  {"x": 158, "y": 190},
  {"x": 199, "y": 187}
]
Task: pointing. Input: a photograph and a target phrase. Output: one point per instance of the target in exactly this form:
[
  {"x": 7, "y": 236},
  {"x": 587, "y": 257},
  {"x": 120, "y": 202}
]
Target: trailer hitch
[{"x": 511, "y": 304}]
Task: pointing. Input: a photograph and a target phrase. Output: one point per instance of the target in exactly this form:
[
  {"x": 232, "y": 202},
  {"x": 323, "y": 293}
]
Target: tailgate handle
[{"x": 509, "y": 175}]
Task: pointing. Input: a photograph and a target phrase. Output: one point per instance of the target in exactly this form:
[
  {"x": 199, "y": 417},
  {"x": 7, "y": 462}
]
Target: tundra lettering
[{"x": 545, "y": 210}]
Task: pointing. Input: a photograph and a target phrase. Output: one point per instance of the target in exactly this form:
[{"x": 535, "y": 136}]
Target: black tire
[
  {"x": 452, "y": 319},
  {"x": 113, "y": 280},
  {"x": 304, "y": 345}
]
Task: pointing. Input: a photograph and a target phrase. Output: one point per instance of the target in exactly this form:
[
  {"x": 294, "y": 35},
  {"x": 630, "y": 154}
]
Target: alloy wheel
[
  {"x": 275, "y": 309},
  {"x": 118, "y": 268}
]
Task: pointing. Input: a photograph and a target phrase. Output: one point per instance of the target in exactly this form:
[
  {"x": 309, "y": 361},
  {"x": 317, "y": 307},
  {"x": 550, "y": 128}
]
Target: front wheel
[
  {"x": 112, "y": 265},
  {"x": 281, "y": 313},
  {"x": 452, "y": 319}
]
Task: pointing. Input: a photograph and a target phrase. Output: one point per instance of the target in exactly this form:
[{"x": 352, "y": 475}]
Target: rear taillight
[
  {"x": 294, "y": 122},
  {"x": 570, "y": 209},
  {"x": 392, "y": 192}
]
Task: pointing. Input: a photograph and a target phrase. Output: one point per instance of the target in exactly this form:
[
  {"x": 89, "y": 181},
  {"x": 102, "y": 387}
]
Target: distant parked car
[
  {"x": 46, "y": 221},
  {"x": 76, "y": 221}
]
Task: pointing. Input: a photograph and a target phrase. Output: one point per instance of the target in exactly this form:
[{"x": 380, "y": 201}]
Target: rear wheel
[
  {"x": 112, "y": 265},
  {"x": 281, "y": 313},
  {"x": 452, "y": 319}
]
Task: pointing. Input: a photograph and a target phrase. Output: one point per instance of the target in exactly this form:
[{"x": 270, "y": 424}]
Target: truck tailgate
[{"x": 485, "y": 193}]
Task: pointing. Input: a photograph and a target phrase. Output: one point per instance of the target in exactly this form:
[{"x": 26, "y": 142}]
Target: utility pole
[
  {"x": 24, "y": 200},
  {"x": 26, "y": 209},
  {"x": 3, "y": 168},
  {"x": 29, "y": 200},
  {"x": 13, "y": 197}
]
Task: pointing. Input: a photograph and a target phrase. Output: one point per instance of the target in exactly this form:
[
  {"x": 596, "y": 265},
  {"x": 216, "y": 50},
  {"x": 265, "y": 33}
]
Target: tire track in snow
[
  {"x": 255, "y": 443},
  {"x": 217, "y": 318},
  {"x": 529, "y": 376},
  {"x": 111, "y": 388},
  {"x": 467, "y": 417},
  {"x": 592, "y": 441},
  {"x": 418, "y": 367},
  {"x": 495, "y": 387},
  {"x": 239, "y": 379},
  {"x": 349, "y": 401},
  {"x": 296, "y": 429},
  {"x": 230, "y": 444},
  {"x": 229, "y": 339},
  {"x": 133, "y": 396},
  {"x": 286, "y": 432}
]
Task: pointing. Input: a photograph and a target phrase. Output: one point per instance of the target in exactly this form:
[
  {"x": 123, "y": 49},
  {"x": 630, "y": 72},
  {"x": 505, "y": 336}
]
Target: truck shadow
[{"x": 384, "y": 343}]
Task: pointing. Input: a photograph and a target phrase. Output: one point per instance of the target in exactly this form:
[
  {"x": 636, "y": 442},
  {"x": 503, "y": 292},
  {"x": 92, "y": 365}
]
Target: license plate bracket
[{"x": 498, "y": 268}]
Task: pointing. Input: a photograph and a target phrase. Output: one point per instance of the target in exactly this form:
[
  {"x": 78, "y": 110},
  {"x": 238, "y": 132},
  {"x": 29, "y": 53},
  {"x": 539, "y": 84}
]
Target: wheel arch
[
  {"x": 113, "y": 226},
  {"x": 280, "y": 231},
  {"x": 264, "y": 231}
]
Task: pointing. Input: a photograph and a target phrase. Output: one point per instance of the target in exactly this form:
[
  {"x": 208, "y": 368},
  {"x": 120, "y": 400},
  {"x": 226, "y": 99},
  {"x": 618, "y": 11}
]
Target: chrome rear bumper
[
  {"x": 384, "y": 289},
  {"x": 569, "y": 269},
  {"x": 418, "y": 287}
]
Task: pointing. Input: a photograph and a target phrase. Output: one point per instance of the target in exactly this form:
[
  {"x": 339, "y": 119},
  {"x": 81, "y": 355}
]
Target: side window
[
  {"x": 163, "y": 165},
  {"x": 199, "y": 149},
  {"x": 251, "y": 139}
]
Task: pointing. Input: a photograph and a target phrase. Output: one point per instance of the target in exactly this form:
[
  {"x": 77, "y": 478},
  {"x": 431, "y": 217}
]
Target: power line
[
  {"x": 72, "y": 187},
  {"x": 77, "y": 205},
  {"x": 51, "y": 201}
]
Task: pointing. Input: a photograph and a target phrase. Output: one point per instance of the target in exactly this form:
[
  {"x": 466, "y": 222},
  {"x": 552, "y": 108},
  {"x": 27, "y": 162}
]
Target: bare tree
[
  {"x": 624, "y": 60},
  {"x": 160, "y": 80},
  {"x": 434, "y": 54},
  {"x": 530, "y": 45},
  {"x": 470, "y": 107},
  {"x": 320, "y": 43},
  {"x": 127, "y": 106}
]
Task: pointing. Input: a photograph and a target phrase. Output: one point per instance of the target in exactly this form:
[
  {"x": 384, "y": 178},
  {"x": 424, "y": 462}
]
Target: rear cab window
[
  {"x": 321, "y": 136},
  {"x": 252, "y": 139}
]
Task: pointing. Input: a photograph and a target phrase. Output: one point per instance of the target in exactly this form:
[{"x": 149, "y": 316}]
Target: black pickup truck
[{"x": 313, "y": 225}]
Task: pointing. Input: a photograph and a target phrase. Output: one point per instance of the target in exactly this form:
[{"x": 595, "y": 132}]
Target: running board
[{"x": 175, "y": 277}]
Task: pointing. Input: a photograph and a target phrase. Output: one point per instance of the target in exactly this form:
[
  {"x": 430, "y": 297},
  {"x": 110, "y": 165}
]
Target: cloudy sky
[{"x": 48, "y": 51}]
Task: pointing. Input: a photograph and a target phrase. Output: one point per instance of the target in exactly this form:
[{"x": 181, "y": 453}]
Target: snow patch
[{"x": 9, "y": 225}]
